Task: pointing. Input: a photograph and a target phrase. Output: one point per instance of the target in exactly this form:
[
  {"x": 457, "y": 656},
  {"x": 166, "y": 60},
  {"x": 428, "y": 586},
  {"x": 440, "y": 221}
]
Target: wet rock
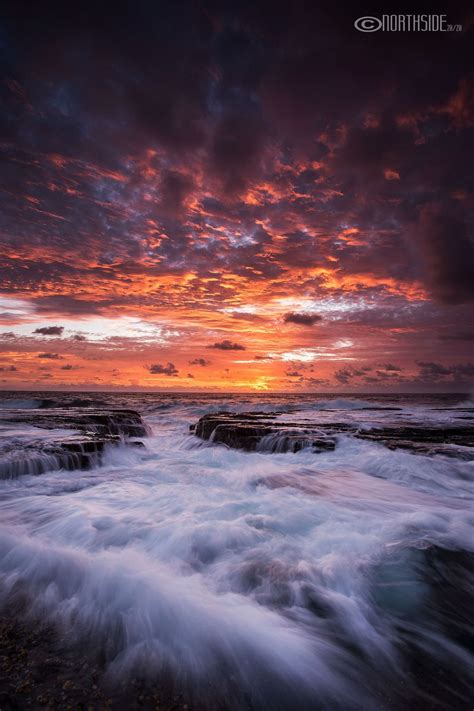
[
  {"x": 260, "y": 432},
  {"x": 463, "y": 435},
  {"x": 265, "y": 433},
  {"x": 91, "y": 432},
  {"x": 127, "y": 423},
  {"x": 58, "y": 674}
]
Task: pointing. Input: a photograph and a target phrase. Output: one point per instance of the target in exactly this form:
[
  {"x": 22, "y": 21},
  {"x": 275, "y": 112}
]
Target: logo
[
  {"x": 405, "y": 23},
  {"x": 368, "y": 24}
]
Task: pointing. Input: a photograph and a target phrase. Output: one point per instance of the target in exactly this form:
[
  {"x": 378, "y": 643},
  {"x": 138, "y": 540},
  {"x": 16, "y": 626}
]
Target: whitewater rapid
[{"x": 283, "y": 581}]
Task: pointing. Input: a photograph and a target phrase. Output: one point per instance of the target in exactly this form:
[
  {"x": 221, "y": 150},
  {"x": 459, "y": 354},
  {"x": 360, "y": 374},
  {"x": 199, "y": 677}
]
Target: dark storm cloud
[
  {"x": 159, "y": 369},
  {"x": 237, "y": 149},
  {"x": 174, "y": 189},
  {"x": 227, "y": 345},
  {"x": 160, "y": 139},
  {"x": 50, "y": 330},
  {"x": 446, "y": 241},
  {"x": 302, "y": 319},
  {"x": 130, "y": 53}
]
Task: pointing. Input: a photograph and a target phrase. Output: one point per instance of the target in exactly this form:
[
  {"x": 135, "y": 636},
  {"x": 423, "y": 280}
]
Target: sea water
[{"x": 338, "y": 580}]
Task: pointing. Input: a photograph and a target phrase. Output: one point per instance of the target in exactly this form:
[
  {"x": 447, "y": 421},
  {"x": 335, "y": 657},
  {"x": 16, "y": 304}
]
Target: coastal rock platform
[
  {"x": 264, "y": 432},
  {"x": 64, "y": 438}
]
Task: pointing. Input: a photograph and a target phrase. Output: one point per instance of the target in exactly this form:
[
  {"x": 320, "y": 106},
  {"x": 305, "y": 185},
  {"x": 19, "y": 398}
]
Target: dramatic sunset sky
[{"x": 238, "y": 196}]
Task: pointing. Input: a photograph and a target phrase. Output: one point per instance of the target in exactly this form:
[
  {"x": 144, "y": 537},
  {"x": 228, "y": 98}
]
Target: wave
[
  {"x": 26, "y": 404},
  {"x": 49, "y": 403},
  {"x": 270, "y": 580},
  {"x": 286, "y": 405},
  {"x": 352, "y": 404},
  {"x": 161, "y": 621}
]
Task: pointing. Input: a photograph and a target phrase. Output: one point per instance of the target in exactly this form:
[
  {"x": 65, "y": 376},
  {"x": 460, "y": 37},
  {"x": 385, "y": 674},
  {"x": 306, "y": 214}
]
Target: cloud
[
  {"x": 236, "y": 153},
  {"x": 435, "y": 371},
  {"x": 190, "y": 375},
  {"x": 159, "y": 369},
  {"x": 317, "y": 381},
  {"x": 464, "y": 370},
  {"x": 50, "y": 356},
  {"x": 430, "y": 369},
  {"x": 174, "y": 189},
  {"x": 302, "y": 319},
  {"x": 200, "y": 361},
  {"x": 344, "y": 375},
  {"x": 67, "y": 367},
  {"x": 390, "y": 367},
  {"x": 227, "y": 345},
  {"x": 67, "y": 304},
  {"x": 50, "y": 330},
  {"x": 446, "y": 243},
  {"x": 110, "y": 183},
  {"x": 293, "y": 374},
  {"x": 8, "y": 369},
  {"x": 459, "y": 336}
]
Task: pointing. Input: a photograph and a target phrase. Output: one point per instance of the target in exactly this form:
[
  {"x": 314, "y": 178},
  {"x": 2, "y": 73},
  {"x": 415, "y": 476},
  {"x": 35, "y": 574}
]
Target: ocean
[{"x": 254, "y": 580}]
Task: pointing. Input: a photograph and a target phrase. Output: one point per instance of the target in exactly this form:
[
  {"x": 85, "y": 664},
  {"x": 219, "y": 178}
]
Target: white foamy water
[{"x": 337, "y": 580}]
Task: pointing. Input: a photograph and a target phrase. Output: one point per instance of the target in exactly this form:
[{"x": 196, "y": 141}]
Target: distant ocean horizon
[{"x": 337, "y": 393}]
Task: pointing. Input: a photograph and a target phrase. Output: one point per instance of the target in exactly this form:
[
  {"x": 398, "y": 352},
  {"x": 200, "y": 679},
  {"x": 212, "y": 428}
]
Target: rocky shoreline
[
  {"x": 38, "y": 671},
  {"x": 80, "y": 442},
  {"x": 263, "y": 432}
]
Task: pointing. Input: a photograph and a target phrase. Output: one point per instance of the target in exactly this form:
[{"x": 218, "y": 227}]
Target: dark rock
[
  {"x": 88, "y": 420},
  {"x": 91, "y": 432},
  {"x": 263, "y": 432},
  {"x": 260, "y": 432},
  {"x": 58, "y": 673}
]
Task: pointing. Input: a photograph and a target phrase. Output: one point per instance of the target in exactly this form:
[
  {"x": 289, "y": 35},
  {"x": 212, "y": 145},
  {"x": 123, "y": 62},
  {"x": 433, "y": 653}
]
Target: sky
[{"x": 234, "y": 196}]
